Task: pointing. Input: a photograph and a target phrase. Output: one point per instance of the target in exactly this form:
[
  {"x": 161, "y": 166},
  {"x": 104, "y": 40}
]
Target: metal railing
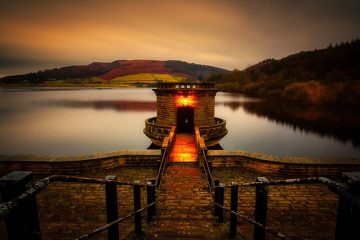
[
  {"x": 206, "y": 163},
  {"x": 19, "y": 208},
  {"x": 165, "y": 153},
  {"x": 348, "y": 214}
]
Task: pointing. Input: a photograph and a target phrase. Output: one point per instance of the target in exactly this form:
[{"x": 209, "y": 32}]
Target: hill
[
  {"x": 326, "y": 76},
  {"x": 120, "y": 72}
]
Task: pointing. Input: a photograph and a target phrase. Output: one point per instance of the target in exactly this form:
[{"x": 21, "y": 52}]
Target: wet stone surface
[
  {"x": 68, "y": 210},
  {"x": 184, "y": 149},
  {"x": 185, "y": 207},
  {"x": 304, "y": 211}
]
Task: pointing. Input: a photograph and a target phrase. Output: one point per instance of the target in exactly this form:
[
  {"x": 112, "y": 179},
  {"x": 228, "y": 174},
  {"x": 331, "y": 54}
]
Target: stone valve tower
[{"x": 185, "y": 106}]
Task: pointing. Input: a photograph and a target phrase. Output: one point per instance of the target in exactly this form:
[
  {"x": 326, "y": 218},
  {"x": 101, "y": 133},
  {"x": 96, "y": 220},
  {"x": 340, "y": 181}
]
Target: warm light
[
  {"x": 184, "y": 149},
  {"x": 185, "y": 101}
]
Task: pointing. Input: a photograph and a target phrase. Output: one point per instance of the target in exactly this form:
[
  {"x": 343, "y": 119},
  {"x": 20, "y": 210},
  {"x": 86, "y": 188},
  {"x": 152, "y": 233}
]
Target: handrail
[
  {"x": 166, "y": 148},
  {"x": 332, "y": 185},
  {"x": 200, "y": 144},
  {"x": 270, "y": 230},
  {"x": 106, "y": 226},
  {"x": 161, "y": 168},
  {"x": 36, "y": 187},
  {"x": 347, "y": 200},
  {"x": 211, "y": 182}
]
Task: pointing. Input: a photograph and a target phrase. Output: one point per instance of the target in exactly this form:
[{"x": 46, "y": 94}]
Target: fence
[
  {"x": 19, "y": 209},
  {"x": 18, "y": 193},
  {"x": 348, "y": 212},
  {"x": 165, "y": 153}
]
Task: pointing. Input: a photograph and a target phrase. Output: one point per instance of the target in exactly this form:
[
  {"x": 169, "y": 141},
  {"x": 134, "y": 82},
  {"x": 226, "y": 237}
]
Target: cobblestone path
[
  {"x": 302, "y": 211},
  {"x": 184, "y": 207}
]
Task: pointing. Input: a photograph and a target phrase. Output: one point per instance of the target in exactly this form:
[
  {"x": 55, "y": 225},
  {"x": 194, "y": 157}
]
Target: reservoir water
[{"x": 83, "y": 121}]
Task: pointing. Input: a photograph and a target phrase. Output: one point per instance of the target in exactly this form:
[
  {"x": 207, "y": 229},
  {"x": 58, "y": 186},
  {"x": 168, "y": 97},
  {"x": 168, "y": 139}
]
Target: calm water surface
[{"x": 92, "y": 120}]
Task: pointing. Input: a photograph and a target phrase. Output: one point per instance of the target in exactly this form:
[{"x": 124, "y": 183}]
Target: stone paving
[
  {"x": 304, "y": 211},
  {"x": 184, "y": 149},
  {"x": 184, "y": 207},
  {"x": 68, "y": 210}
]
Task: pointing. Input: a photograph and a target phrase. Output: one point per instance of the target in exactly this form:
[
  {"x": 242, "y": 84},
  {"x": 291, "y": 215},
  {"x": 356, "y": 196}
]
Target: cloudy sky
[{"x": 40, "y": 34}]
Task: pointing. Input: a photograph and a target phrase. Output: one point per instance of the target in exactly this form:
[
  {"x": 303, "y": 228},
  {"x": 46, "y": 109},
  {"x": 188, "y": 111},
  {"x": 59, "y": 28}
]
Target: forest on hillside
[{"x": 325, "y": 76}]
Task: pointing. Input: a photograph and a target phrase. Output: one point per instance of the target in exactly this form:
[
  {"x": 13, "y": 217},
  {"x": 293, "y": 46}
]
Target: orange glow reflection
[
  {"x": 184, "y": 149},
  {"x": 185, "y": 101}
]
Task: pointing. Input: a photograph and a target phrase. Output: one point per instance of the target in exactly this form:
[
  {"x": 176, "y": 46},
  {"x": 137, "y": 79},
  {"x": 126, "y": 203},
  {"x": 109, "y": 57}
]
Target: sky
[{"x": 43, "y": 34}]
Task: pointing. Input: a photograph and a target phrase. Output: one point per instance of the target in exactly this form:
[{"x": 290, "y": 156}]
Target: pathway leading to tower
[
  {"x": 184, "y": 149},
  {"x": 184, "y": 207}
]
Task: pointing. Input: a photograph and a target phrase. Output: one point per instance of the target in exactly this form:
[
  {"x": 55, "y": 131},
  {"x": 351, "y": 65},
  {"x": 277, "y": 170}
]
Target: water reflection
[
  {"x": 343, "y": 124},
  {"x": 90, "y": 120},
  {"x": 120, "y": 105}
]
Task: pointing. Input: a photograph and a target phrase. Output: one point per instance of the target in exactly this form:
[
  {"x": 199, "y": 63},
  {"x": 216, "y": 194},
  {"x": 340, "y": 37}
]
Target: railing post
[
  {"x": 150, "y": 190},
  {"x": 348, "y": 216},
  {"x": 233, "y": 208},
  {"x": 261, "y": 208},
  {"x": 221, "y": 202},
  {"x": 23, "y": 221},
  {"x": 111, "y": 208},
  {"x": 216, "y": 197},
  {"x": 137, "y": 206}
]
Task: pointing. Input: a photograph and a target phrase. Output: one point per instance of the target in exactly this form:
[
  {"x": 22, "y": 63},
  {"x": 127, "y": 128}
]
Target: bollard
[
  {"x": 111, "y": 208},
  {"x": 150, "y": 191},
  {"x": 233, "y": 208},
  {"x": 23, "y": 221},
  {"x": 261, "y": 208},
  {"x": 137, "y": 206},
  {"x": 216, "y": 197},
  {"x": 348, "y": 215},
  {"x": 221, "y": 202}
]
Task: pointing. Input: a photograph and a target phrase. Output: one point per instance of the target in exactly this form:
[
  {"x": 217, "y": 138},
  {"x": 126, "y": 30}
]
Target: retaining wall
[
  {"x": 220, "y": 158},
  {"x": 286, "y": 165},
  {"x": 79, "y": 163}
]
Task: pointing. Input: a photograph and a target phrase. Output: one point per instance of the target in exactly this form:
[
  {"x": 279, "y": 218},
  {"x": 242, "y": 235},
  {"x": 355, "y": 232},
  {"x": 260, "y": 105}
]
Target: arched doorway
[{"x": 185, "y": 120}]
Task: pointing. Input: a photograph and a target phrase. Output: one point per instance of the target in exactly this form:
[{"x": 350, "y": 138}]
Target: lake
[{"x": 82, "y": 121}]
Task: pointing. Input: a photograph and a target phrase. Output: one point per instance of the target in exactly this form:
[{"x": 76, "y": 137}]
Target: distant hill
[
  {"x": 325, "y": 76},
  {"x": 120, "y": 72}
]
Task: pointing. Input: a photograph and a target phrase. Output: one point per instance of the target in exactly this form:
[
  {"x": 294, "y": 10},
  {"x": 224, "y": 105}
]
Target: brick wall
[
  {"x": 204, "y": 110},
  {"x": 204, "y": 114}
]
